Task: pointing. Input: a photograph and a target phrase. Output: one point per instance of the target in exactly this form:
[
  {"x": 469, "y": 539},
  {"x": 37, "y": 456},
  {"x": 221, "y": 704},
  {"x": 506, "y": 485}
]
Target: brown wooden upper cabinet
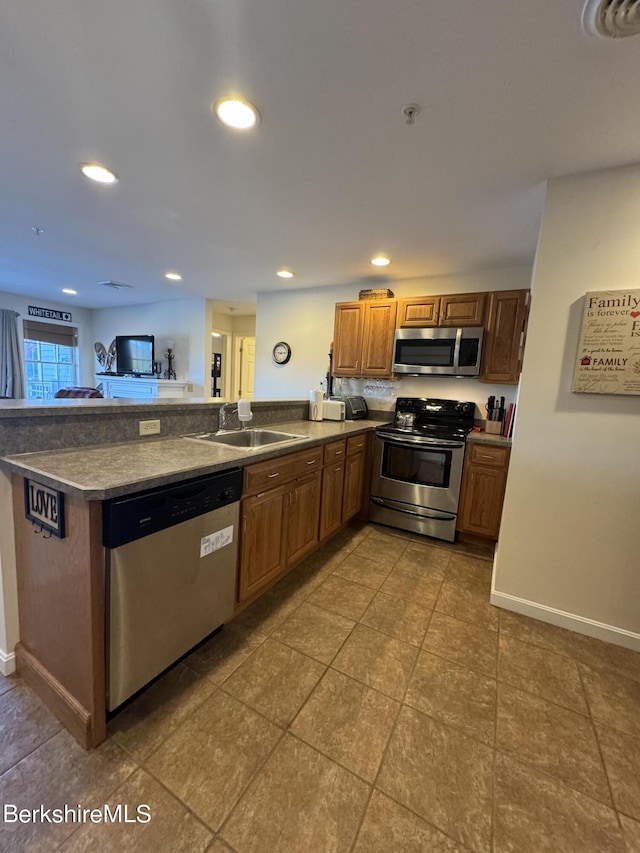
[
  {"x": 418, "y": 311},
  {"x": 462, "y": 309},
  {"x": 459, "y": 309},
  {"x": 363, "y": 338},
  {"x": 504, "y": 334}
]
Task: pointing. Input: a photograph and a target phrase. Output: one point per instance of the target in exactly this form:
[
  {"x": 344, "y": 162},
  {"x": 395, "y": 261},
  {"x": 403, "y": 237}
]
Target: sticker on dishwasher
[{"x": 215, "y": 541}]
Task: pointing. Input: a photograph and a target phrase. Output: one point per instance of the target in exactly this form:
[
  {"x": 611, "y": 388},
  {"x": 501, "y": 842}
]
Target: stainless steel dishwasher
[{"x": 170, "y": 573}]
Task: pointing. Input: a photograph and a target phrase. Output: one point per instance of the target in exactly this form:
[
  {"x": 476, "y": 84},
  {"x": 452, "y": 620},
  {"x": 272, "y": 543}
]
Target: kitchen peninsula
[
  {"x": 295, "y": 496},
  {"x": 61, "y": 581}
]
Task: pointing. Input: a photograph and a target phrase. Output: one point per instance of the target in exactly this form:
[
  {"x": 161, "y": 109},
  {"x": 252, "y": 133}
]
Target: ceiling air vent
[
  {"x": 114, "y": 285},
  {"x": 612, "y": 18}
]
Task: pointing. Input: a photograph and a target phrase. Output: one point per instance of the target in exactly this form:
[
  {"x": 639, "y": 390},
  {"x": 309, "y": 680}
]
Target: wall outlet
[
  {"x": 189, "y": 387},
  {"x": 149, "y": 427}
]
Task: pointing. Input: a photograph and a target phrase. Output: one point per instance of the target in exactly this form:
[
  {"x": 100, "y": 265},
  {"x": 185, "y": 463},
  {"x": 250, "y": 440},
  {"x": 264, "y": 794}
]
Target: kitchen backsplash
[{"x": 381, "y": 394}]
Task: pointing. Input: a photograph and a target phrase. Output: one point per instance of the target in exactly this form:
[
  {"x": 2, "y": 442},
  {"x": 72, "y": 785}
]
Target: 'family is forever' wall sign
[{"x": 608, "y": 360}]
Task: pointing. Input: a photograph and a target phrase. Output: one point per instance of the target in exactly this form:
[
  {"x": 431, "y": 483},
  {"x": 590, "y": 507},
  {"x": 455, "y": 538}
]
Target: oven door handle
[
  {"x": 439, "y": 516},
  {"x": 420, "y": 442}
]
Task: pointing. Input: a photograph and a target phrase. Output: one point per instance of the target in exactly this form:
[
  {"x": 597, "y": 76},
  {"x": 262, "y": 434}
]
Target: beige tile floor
[{"x": 375, "y": 702}]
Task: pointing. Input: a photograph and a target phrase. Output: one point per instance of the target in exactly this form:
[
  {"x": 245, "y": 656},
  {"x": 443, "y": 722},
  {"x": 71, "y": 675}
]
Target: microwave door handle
[{"x": 456, "y": 351}]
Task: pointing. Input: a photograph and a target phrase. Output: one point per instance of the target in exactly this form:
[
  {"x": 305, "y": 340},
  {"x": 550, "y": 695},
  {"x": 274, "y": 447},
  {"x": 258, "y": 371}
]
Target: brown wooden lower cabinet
[
  {"x": 283, "y": 524},
  {"x": 353, "y": 491},
  {"x": 331, "y": 506},
  {"x": 301, "y": 514},
  {"x": 262, "y": 543},
  {"x": 483, "y": 485}
]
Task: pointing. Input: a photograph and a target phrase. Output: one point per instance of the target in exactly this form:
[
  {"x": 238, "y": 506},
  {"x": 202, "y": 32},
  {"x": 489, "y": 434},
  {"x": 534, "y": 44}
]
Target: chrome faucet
[
  {"x": 224, "y": 415},
  {"x": 243, "y": 410}
]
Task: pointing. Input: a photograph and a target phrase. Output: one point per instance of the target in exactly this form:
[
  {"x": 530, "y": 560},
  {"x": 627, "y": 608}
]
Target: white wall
[
  {"x": 569, "y": 536},
  {"x": 81, "y": 319},
  {"x": 183, "y": 321},
  {"x": 304, "y": 318}
]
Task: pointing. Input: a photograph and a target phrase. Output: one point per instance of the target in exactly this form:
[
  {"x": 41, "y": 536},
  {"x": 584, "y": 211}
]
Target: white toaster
[{"x": 333, "y": 410}]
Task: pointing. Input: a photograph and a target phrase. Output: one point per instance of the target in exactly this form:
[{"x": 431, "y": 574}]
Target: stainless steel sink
[{"x": 249, "y": 438}]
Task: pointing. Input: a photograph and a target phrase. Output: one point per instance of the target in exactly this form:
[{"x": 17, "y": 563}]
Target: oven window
[
  {"x": 417, "y": 465},
  {"x": 426, "y": 353}
]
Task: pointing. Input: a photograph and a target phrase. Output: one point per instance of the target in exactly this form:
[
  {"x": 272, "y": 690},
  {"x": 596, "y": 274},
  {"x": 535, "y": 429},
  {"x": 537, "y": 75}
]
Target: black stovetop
[{"x": 431, "y": 418}]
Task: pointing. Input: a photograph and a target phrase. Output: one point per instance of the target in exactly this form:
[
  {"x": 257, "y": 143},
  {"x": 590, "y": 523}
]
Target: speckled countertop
[
  {"x": 106, "y": 471},
  {"x": 489, "y": 438}
]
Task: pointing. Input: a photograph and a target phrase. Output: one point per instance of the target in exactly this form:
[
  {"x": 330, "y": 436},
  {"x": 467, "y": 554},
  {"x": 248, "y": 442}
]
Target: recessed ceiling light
[
  {"x": 237, "y": 113},
  {"x": 98, "y": 173},
  {"x": 173, "y": 276},
  {"x": 70, "y": 291},
  {"x": 380, "y": 261},
  {"x": 285, "y": 274}
]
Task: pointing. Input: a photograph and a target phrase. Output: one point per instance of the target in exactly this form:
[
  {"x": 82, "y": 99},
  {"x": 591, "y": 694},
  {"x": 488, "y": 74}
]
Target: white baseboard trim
[
  {"x": 7, "y": 663},
  {"x": 580, "y": 624}
]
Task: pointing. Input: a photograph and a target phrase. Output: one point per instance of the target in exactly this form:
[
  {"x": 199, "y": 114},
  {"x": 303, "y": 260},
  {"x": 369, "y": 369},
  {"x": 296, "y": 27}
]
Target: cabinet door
[
  {"x": 504, "y": 336},
  {"x": 462, "y": 309},
  {"x": 262, "y": 549},
  {"x": 331, "y": 505},
  {"x": 418, "y": 311},
  {"x": 353, "y": 486},
  {"x": 347, "y": 339},
  {"x": 482, "y": 499},
  {"x": 302, "y": 513},
  {"x": 377, "y": 343}
]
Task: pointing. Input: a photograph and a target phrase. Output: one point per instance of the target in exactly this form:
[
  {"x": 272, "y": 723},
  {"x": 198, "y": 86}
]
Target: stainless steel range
[{"x": 418, "y": 466}]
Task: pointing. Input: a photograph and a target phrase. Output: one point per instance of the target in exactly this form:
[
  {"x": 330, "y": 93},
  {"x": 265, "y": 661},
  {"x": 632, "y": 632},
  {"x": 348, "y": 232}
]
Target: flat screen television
[{"x": 134, "y": 355}]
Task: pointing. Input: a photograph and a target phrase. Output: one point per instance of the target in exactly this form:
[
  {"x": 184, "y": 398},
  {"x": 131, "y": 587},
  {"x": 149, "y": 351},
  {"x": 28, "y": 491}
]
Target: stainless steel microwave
[{"x": 444, "y": 351}]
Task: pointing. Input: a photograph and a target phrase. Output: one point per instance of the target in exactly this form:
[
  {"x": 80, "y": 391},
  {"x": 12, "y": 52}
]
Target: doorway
[
  {"x": 220, "y": 375},
  {"x": 244, "y": 365}
]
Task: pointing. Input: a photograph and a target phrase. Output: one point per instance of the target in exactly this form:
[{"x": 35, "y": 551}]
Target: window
[{"x": 50, "y": 358}]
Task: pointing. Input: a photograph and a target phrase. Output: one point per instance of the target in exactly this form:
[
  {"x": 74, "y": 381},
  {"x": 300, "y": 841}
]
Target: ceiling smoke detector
[
  {"x": 410, "y": 111},
  {"x": 115, "y": 285},
  {"x": 611, "y": 18}
]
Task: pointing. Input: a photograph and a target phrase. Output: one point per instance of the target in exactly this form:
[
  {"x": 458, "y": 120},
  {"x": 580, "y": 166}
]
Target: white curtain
[{"x": 11, "y": 369}]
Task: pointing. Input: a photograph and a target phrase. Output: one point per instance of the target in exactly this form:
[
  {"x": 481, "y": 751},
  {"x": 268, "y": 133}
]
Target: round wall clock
[{"x": 281, "y": 352}]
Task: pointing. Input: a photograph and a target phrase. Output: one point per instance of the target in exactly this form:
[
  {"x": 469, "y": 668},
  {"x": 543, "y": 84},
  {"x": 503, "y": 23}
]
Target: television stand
[{"x": 139, "y": 387}]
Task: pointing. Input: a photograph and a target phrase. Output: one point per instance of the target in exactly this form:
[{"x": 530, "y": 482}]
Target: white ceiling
[{"x": 512, "y": 92}]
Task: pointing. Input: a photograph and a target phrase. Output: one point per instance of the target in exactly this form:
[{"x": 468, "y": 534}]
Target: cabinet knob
[{"x": 277, "y": 474}]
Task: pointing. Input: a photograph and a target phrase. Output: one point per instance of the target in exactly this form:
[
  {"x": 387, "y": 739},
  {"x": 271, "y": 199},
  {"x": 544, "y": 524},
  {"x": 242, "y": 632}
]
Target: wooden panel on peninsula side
[{"x": 61, "y": 653}]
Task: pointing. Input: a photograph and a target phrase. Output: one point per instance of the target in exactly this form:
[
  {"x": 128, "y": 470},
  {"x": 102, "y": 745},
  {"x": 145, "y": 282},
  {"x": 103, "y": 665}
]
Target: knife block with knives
[{"x": 495, "y": 415}]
